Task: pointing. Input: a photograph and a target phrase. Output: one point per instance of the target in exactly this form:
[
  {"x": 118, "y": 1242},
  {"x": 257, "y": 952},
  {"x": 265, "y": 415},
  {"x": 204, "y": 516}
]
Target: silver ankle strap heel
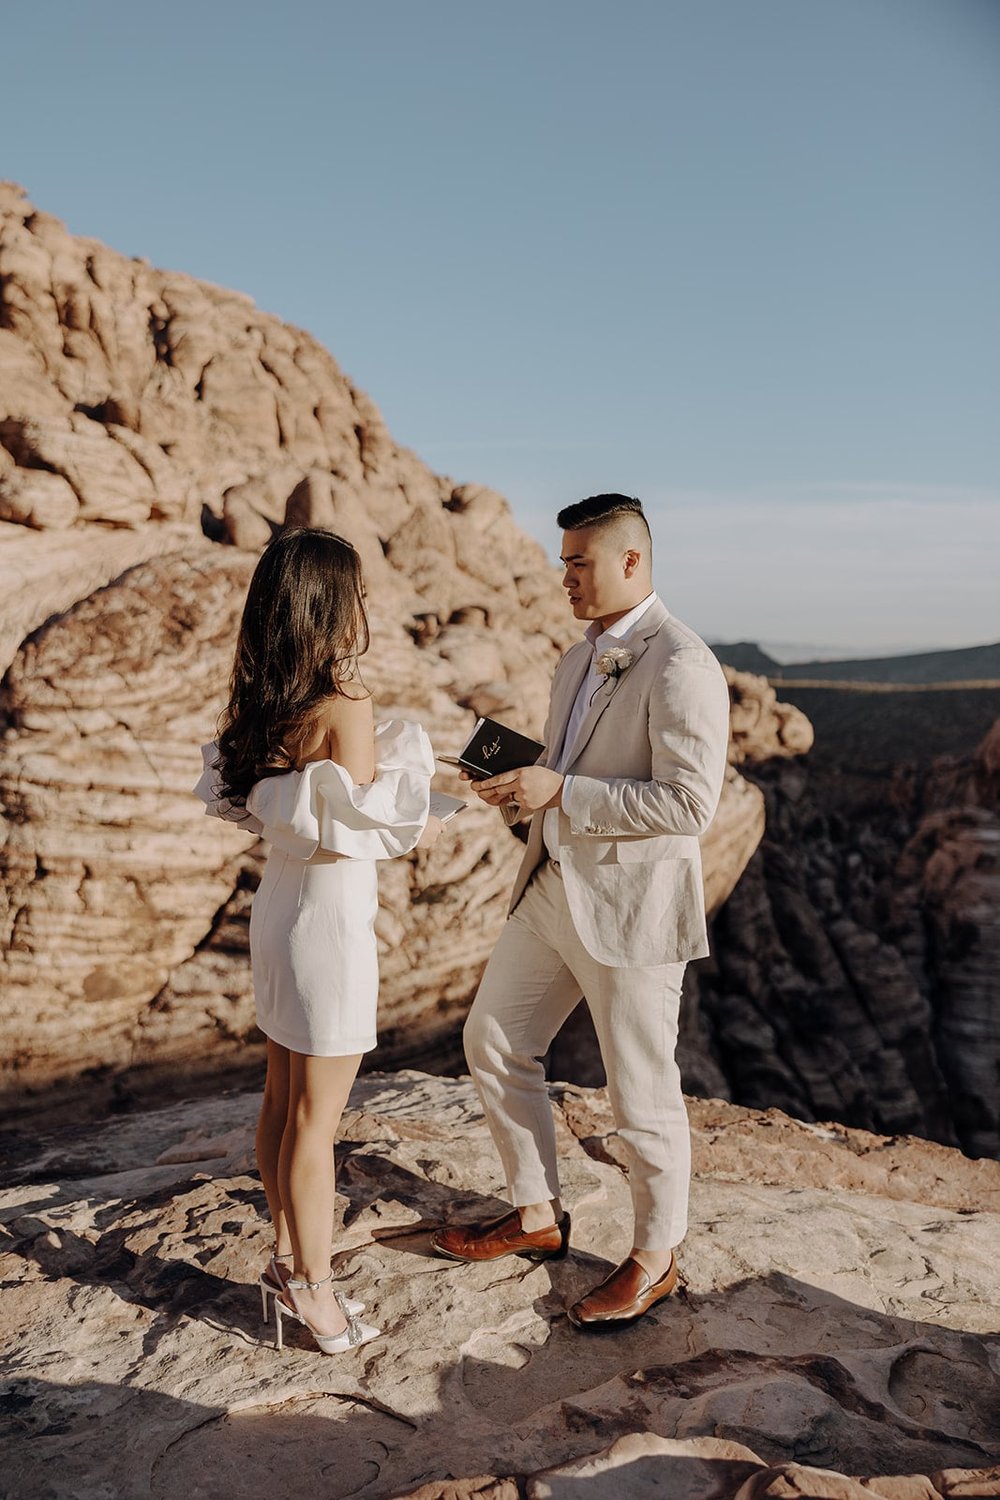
[
  {"x": 355, "y": 1334},
  {"x": 270, "y": 1284}
]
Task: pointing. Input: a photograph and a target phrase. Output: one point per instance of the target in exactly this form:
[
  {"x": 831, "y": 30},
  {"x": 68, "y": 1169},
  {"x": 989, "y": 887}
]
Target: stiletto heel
[
  {"x": 353, "y": 1336},
  {"x": 270, "y": 1283}
]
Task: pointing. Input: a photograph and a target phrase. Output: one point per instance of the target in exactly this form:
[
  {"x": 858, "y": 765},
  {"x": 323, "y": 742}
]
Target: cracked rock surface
[{"x": 835, "y": 1334}]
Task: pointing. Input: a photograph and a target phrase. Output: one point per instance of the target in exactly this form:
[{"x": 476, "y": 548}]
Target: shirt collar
[{"x": 621, "y": 628}]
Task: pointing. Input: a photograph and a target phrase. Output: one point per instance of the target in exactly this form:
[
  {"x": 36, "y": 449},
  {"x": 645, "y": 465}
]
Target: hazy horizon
[
  {"x": 784, "y": 652},
  {"x": 741, "y": 261}
]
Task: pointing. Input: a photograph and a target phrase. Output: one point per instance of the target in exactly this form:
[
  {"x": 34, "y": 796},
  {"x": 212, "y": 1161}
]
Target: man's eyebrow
[{"x": 573, "y": 557}]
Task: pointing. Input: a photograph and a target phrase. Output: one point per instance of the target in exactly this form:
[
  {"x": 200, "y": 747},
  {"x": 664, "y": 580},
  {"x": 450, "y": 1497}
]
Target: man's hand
[{"x": 531, "y": 787}]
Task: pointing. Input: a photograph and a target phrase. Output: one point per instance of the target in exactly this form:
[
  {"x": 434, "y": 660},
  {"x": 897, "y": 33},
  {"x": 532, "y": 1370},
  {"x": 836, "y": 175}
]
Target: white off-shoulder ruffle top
[{"x": 319, "y": 807}]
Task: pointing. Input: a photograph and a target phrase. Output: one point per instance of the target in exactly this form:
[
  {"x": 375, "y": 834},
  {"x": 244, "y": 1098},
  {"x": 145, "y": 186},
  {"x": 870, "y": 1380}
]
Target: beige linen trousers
[{"x": 613, "y": 921}]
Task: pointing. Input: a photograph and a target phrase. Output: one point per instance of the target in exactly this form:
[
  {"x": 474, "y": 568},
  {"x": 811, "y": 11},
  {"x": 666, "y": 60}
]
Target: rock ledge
[{"x": 836, "y": 1318}]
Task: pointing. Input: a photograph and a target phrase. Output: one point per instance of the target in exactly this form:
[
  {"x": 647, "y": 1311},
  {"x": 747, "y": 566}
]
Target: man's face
[{"x": 594, "y": 573}]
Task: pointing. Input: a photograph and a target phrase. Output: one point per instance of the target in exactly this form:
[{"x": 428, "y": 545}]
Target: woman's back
[{"x": 343, "y": 730}]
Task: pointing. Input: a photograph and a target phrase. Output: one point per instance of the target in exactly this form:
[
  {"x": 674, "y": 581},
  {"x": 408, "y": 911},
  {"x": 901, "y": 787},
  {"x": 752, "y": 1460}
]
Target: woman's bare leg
[
  {"x": 318, "y": 1091},
  {"x": 270, "y": 1129}
]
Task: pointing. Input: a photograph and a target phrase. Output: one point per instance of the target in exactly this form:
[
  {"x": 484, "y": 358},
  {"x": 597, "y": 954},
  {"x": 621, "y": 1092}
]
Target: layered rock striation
[{"x": 154, "y": 432}]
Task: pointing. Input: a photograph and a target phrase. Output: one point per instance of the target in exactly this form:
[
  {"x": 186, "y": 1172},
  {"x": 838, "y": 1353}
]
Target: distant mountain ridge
[
  {"x": 746, "y": 656},
  {"x": 965, "y": 664}
]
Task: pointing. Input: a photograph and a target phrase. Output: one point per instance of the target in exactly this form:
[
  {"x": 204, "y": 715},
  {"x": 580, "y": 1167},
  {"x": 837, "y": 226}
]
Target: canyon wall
[{"x": 857, "y": 963}]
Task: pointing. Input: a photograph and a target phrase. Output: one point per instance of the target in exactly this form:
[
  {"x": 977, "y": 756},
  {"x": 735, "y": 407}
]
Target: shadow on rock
[{"x": 55, "y": 1440}]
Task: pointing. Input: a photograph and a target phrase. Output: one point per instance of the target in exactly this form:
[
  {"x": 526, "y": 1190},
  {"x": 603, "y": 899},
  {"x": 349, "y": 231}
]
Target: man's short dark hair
[{"x": 599, "y": 510}]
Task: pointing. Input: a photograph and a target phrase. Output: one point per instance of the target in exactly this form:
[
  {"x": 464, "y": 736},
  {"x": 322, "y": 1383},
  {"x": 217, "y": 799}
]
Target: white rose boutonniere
[{"x": 614, "y": 662}]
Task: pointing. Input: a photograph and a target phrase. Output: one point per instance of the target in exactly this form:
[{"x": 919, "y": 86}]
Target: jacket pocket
[{"x": 656, "y": 846}]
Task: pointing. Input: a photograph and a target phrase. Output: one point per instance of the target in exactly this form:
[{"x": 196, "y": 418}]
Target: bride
[{"x": 300, "y": 761}]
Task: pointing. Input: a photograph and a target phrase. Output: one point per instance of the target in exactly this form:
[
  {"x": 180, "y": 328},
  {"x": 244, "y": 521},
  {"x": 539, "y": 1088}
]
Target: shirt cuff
[{"x": 566, "y": 792}]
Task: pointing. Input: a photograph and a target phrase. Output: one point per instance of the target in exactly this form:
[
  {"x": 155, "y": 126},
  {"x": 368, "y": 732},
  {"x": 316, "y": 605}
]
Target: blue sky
[{"x": 739, "y": 257}]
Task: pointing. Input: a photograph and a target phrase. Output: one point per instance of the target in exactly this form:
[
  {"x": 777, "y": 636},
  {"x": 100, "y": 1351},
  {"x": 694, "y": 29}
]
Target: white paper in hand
[{"x": 445, "y": 807}]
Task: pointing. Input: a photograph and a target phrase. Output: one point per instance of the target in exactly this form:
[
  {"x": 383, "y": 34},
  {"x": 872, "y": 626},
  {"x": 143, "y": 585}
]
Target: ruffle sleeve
[
  {"x": 320, "y": 807},
  {"x": 206, "y": 788}
]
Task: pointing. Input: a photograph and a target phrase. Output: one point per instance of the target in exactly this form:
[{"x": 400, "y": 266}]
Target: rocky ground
[{"x": 837, "y": 1318}]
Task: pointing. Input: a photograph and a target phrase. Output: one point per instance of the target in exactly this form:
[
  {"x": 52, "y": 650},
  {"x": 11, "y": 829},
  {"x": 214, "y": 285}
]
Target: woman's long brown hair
[{"x": 303, "y": 629}]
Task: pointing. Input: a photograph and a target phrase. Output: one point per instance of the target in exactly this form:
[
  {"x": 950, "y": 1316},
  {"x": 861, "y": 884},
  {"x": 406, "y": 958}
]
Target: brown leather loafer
[
  {"x": 502, "y": 1236},
  {"x": 623, "y": 1296}
]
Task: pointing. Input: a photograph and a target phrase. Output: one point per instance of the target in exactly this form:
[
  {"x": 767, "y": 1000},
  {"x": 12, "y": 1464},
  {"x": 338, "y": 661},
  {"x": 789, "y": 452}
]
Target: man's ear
[{"x": 632, "y": 560}]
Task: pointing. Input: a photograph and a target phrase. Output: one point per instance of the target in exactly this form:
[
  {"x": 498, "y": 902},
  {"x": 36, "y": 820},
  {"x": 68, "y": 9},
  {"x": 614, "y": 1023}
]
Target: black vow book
[{"x": 493, "y": 748}]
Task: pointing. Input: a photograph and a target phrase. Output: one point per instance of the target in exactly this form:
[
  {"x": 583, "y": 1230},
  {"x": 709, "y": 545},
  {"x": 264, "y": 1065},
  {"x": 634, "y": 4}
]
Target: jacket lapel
[
  {"x": 637, "y": 643},
  {"x": 573, "y": 673}
]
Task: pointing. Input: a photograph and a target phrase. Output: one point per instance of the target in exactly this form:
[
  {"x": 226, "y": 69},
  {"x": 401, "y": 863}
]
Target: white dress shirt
[{"x": 601, "y": 641}]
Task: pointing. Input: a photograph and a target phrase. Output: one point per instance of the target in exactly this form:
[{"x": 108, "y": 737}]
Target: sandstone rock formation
[
  {"x": 154, "y": 431},
  {"x": 837, "y": 1318},
  {"x": 761, "y": 727}
]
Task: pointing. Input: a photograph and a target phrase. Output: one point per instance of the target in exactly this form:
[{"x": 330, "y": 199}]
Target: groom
[{"x": 607, "y": 904}]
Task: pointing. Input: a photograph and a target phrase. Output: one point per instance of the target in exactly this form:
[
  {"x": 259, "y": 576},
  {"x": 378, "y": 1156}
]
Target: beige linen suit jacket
[{"x": 647, "y": 766}]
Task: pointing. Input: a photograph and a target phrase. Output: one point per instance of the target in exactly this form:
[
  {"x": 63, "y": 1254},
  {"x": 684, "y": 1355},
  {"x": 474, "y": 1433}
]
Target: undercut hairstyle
[
  {"x": 303, "y": 629},
  {"x": 619, "y": 511}
]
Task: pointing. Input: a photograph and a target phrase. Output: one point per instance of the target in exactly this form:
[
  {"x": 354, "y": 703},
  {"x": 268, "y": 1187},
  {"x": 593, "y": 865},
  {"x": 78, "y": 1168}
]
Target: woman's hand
[{"x": 429, "y": 837}]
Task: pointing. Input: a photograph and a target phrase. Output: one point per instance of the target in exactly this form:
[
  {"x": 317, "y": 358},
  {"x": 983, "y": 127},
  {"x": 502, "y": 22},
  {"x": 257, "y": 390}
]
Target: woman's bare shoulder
[
  {"x": 347, "y": 723},
  {"x": 335, "y": 720},
  {"x": 354, "y": 706},
  {"x": 349, "y": 727}
]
